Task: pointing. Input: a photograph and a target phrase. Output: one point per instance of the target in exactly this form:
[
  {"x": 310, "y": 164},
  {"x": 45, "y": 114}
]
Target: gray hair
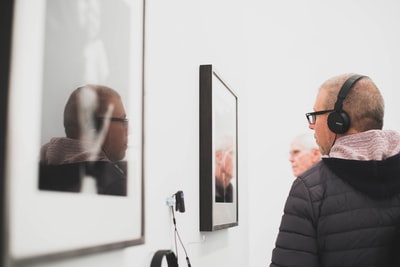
[{"x": 306, "y": 140}]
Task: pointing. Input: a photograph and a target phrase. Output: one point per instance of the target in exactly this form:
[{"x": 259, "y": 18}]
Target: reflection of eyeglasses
[
  {"x": 125, "y": 121},
  {"x": 312, "y": 116}
]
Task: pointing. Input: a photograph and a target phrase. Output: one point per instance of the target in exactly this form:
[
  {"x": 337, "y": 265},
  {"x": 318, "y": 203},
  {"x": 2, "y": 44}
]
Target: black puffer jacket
[{"x": 342, "y": 213}]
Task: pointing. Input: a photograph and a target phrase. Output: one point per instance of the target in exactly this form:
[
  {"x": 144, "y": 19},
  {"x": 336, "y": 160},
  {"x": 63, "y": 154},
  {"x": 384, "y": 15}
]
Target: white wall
[
  {"x": 181, "y": 35},
  {"x": 274, "y": 54}
]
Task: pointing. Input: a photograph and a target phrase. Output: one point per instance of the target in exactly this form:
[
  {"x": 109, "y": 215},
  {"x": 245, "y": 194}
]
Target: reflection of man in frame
[
  {"x": 224, "y": 169},
  {"x": 96, "y": 140}
]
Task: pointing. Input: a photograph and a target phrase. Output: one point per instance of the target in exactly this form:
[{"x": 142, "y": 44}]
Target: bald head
[
  {"x": 364, "y": 103},
  {"x": 104, "y": 96}
]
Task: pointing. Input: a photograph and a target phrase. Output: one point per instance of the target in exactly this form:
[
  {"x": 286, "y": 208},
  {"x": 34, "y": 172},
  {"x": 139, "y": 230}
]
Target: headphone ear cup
[
  {"x": 338, "y": 122},
  {"x": 98, "y": 124}
]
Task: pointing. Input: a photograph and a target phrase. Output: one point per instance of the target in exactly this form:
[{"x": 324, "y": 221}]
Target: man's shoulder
[
  {"x": 316, "y": 182},
  {"x": 315, "y": 174}
]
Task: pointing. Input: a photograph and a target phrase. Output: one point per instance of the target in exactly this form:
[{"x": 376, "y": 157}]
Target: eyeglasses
[{"x": 312, "y": 116}]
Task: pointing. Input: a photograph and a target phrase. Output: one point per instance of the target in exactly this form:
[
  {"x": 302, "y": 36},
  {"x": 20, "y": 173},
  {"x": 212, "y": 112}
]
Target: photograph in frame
[
  {"x": 57, "y": 205},
  {"x": 218, "y": 152}
]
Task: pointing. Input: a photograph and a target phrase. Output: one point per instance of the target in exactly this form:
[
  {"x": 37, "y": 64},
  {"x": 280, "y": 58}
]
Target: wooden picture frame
[
  {"x": 43, "y": 225},
  {"x": 218, "y": 152}
]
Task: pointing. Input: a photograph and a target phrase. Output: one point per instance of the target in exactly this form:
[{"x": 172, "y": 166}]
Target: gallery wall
[{"x": 274, "y": 55}]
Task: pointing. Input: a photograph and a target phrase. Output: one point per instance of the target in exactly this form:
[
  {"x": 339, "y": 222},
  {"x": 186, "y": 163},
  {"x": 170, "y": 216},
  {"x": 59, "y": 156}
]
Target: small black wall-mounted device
[
  {"x": 180, "y": 202},
  {"x": 172, "y": 259}
]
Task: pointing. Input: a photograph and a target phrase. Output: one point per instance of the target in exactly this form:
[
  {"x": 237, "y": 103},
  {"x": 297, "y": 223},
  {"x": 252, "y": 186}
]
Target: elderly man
[{"x": 303, "y": 153}]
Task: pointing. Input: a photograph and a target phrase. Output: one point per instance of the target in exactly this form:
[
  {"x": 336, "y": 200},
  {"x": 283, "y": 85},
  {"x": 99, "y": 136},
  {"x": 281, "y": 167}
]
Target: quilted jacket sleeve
[{"x": 296, "y": 244}]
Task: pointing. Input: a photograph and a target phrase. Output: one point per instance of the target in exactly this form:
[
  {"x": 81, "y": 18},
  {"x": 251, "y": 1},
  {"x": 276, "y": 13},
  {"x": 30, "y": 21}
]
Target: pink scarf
[
  {"x": 64, "y": 150},
  {"x": 369, "y": 145}
]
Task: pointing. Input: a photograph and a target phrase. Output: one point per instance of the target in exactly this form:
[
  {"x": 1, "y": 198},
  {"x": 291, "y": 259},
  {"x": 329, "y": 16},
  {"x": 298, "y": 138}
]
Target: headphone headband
[
  {"x": 169, "y": 255},
  {"x": 348, "y": 84}
]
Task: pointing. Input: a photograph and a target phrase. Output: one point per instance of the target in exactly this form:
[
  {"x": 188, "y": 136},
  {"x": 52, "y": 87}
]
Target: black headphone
[
  {"x": 339, "y": 120},
  {"x": 158, "y": 256}
]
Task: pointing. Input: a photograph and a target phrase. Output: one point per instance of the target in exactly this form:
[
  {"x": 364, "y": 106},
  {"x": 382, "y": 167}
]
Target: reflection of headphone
[
  {"x": 98, "y": 123},
  {"x": 158, "y": 256},
  {"x": 339, "y": 120}
]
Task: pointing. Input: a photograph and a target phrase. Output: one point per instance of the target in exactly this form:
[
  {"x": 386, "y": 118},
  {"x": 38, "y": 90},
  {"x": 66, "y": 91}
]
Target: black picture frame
[
  {"x": 6, "y": 15},
  {"x": 218, "y": 134},
  {"x": 30, "y": 230}
]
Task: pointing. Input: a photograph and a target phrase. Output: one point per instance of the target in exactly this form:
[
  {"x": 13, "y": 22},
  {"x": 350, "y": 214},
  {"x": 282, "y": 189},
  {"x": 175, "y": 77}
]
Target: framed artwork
[
  {"x": 58, "y": 204},
  {"x": 218, "y": 152}
]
